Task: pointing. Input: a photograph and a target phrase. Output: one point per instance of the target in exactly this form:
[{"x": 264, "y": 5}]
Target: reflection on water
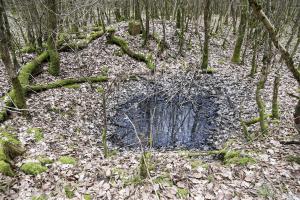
[{"x": 169, "y": 122}]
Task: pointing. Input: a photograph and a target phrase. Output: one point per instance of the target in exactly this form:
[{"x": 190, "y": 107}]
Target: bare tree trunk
[
  {"x": 146, "y": 33},
  {"x": 204, "y": 64}
]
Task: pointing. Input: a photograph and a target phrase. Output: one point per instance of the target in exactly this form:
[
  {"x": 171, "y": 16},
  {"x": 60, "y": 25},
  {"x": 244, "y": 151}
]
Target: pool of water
[{"x": 163, "y": 121}]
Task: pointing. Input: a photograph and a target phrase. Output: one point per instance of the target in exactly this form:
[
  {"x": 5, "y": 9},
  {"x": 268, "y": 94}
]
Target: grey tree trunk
[{"x": 204, "y": 64}]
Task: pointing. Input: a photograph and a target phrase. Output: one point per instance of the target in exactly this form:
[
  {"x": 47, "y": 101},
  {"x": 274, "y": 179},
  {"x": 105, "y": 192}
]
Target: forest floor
[{"x": 70, "y": 120}]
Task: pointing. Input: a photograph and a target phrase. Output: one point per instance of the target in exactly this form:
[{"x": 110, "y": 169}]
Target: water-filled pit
[{"x": 166, "y": 121}]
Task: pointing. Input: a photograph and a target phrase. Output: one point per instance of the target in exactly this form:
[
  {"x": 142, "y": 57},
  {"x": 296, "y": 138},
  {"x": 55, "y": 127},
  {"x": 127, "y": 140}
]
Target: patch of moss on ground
[
  {"x": 210, "y": 70},
  {"x": 210, "y": 178},
  {"x": 87, "y": 197},
  {"x": 236, "y": 157},
  {"x": 2, "y": 154},
  {"x": 37, "y": 134},
  {"x": 33, "y": 168},
  {"x": 164, "y": 178},
  {"x": 265, "y": 192},
  {"x": 44, "y": 160},
  {"x": 295, "y": 159},
  {"x": 133, "y": 180},
  {"x": 69, "y": 191},
  {"x": 67, "y": 160},
  {"x": 182, "y": 193},
  {"x": 9, "y": 137},
  {"x": 41, "y": 197},
  {"x": 5, "y": 168},
  {"x": 195, "y": 163}
]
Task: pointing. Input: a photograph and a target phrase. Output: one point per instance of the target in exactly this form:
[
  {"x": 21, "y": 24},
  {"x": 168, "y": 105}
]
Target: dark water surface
[{"x": 172, "y": 121}]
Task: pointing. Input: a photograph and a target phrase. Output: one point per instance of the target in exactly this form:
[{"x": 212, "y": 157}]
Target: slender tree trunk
[
  {"x": 204, "y": 64},
  {"x": 236, "y": 57},
  {"x": 275, "y": 107},
  {"x": 54, "y": 68},
  {"x": 257, "y": 10},
  {"x": 146, "y": 33},
  {"x": 9, "y": 59}
]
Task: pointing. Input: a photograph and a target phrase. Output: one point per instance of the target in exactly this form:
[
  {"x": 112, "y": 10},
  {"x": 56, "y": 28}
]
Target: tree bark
[
  {"x": 54, "y": 68},
  {"x": 259, "y": 13},
  {"x": 9, "y": 59},
  {"x": 236, "y": 57},
  {"x": 204, "y": 64}
]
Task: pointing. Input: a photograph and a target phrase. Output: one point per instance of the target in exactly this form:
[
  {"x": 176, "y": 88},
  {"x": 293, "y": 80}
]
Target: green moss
[
  {"x": 137, "y": 56},
  {"x": 182, "y": 193},
  {"x": 134, "y": 180},
  {"x": 33, "y": 168},
  {"x": 87, "y": 197},
  {"x": 67, "y": 160},
  {"x": 256, "y": 120},
  {"x": 61, "y": 83},
  {"x": 2, "y": 154},
  {"x": 72, "y": 86},
  {"x": 37, "y": 133},
  {"x": 30, "y": 68},
  {"x": 118, "y": 53},
  {"x": 69, "y": 191},
  {"x": 235, "y": 157},
  {"x": 5, "y": 168},
  {"x": 97, "y": 27},
  {"x": 196, "y": 163},
  {"x": 94, "y": 35},
  {"x": 10, "y": 146},
  {"x": 210, "y": 70},
  {"x": 119, "y": 171},
  {"x": 44, "y": 160},
  {"x": 24, "y": 77},
  {"x": 241, "y": 160},
  {"x": 54, "y": 68},
  {"x": 9, "y": 137},
  {"x": 210, "y": 178},
  {"x": 104, "y": 143},
  {"x": 265, "y": 191},
  {"x": 295, "y": 159},
  {"x": 28, "y": 49},
  {"x": 3, "y": 114},
  {"x": 143, "y": 171},
  {"x": 165, "y": 178},
  {"x": 150, "y": 63},
  {"x": 41, "y": 197},
  {"x": 134, "y": 27}
]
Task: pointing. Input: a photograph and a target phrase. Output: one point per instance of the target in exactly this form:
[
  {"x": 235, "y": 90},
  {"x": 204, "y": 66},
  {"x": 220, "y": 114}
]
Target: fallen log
[
  {"x": 25, "y": 74},
  {"x": 124, "y": 46},
  {"x": 65, "y": 82}
]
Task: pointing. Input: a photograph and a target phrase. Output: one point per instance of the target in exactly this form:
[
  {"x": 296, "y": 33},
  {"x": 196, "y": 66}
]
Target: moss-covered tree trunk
[
  {"x": 286, "y": 56},
  {"x": 204, "y": 64},
  {"x": 9, "y": 59},
  {"x": 236, "y": 57},
  {"x": 54, "y": 68},
  {"x": 254, "y": 54},
  {"x": 275, "y": 107},
  {"x": 259, "y": 100}
]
